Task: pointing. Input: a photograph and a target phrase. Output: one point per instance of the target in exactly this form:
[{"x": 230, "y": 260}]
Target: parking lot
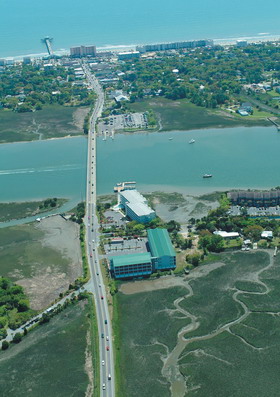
[
  {"x": 122, "y": 122},
  {"x": 127, "y": 247},
  {"x": 255, "y": 211},
  {"x": 113, "y": 218}
]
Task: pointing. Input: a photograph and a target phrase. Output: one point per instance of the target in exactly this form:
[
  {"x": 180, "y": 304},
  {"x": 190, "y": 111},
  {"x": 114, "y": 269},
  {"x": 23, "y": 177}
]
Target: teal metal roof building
[
  {"x": 134, "y": 265},
  {"x": 162, "y": 256},
  {"x": 161, "y": 248}
]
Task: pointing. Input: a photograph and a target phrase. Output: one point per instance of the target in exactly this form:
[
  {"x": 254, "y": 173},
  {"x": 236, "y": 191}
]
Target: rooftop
[
  {"x": 160, "y": 243},
  {"x": 140, "y": 209},
  {"x": 267, "y": 234},
  {"x": 225, "y": 234},
  {"x": 129, "y": 53},
  {"x": 133, "y": 196},
  {"x": 131, "y": 259}
]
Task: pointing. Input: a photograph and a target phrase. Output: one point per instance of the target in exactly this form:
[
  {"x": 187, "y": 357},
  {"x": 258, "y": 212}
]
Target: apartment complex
[
  {"x": 83, "y": 50},
  {"x": 128, "y": 55},
  {"x": 255, "y": 198},
  {"x": 174, "y": 46}
]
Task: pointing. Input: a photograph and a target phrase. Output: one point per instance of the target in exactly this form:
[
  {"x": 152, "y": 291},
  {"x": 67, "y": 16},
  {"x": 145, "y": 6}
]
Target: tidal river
[{"x": 236, "y": 157}]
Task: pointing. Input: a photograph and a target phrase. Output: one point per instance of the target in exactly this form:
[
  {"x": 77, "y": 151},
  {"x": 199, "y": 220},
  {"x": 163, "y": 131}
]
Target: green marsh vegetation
[
  {"x": 17, "y": 210},
  {"x": 51, "y": 360},
  {"x": 230, "y": 308}
]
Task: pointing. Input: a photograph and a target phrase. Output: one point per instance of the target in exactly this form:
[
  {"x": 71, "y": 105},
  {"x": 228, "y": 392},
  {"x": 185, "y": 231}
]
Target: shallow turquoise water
[{"x": 237, "y": 157}]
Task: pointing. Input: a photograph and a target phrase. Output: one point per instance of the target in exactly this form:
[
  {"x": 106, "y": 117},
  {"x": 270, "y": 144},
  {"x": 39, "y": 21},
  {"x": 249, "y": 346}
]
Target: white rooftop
[
  {"x": 136, "y": 202},
  {"x": 267, "y": 234},
  {"x": 140, "y": 209},
  {"x": 226, "y": 234},
  {"x": 133, "y": 196},
  {"x": 119, "y": 98},
  {"x": 129, "y": 52}
]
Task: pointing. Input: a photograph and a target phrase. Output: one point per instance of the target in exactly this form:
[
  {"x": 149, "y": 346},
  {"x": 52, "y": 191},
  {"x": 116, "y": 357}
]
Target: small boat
[
  {"x": 170, "y": 139},
  {"x": 207, "y": 176},
  {"x": 191, "y": 141}
]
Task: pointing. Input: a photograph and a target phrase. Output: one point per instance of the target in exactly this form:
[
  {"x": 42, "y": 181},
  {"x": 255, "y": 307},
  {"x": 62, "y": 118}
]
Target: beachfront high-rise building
[
  {"x": 175, "y": 46},
  {"x": 241, "y": 43},
  {"x": 83, "y": 51},
  {"x": 128, "y": 55},
  {"x": 26, "y": 61}
]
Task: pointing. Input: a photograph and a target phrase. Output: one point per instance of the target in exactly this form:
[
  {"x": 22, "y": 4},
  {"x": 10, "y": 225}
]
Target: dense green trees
[
  {"x": 26, "y": 88},
  {"x": 253, "y": 232},
  {"x": 208, "y": 77},
  {"x": 212, "y": 242},
  {"x": 79, "y": 213},
  {"x": 14, "y": 306},
  {"x": 50, "y": 202}
]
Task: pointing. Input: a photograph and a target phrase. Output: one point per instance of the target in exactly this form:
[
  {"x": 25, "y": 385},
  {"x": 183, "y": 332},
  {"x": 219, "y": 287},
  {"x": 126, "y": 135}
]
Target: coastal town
[{"x": 130, "y": 269}]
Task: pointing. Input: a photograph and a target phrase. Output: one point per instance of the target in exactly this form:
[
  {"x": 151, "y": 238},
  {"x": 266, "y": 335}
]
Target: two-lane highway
[{"x": 96, "y": 284}]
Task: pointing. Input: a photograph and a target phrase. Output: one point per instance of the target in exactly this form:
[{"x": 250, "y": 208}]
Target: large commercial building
[
  {"x": 135, "y": 206},
  {"x": 161, "y": 257},
  {"x": 161, "y": 248},
  {"x": 255, "y": 198},
  {"x": 174, "y": 46},
  {"x": 129, "y": 266},
  {"x": 128, "y": 55},
  {"x": 83, "y": 50}
]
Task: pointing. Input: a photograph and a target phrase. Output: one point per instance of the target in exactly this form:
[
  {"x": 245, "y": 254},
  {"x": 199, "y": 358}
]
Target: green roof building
[
  {"x": 161, "y": 248},
  {"x": 133, "y": 265},
  {"x": 161, "y": 257}
]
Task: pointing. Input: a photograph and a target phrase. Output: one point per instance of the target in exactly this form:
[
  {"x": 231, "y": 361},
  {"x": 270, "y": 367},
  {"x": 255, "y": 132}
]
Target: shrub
[
  {"x": 5, "y": 345},
  {"x": 17, "y": 338}
]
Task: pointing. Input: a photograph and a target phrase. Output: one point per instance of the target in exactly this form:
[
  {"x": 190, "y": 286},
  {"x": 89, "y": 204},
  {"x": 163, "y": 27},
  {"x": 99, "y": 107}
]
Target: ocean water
[
  {"x": 124, "y": 22},
  {"x": 236, "y": 157}
]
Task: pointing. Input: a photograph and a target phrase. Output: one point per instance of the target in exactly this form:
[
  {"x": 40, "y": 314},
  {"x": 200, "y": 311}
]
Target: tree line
[{"x": 208, "y": 77}]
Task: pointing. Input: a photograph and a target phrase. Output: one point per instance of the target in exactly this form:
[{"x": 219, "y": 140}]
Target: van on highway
[{"x": 109, "y": 377}]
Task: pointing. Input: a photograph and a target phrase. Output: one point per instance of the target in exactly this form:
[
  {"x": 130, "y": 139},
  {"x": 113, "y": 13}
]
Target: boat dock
[
  {"x": 274, "y": 123},
  {"x": 124, "y": 186}
]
